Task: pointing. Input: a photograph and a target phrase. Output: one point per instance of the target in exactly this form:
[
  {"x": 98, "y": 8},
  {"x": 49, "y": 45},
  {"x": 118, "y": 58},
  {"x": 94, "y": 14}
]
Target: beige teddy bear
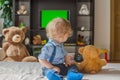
[
  {"x": 22, "y": 9},
  {"x": 13, "y": 46},
  {"x": 92, "y": 62}
]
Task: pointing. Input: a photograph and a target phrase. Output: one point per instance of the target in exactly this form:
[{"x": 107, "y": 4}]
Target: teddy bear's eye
[{"x": 17, "y": 32}]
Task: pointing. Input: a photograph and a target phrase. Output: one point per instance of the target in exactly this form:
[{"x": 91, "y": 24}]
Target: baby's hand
[
  {"x": 68, "y": 61},
  {"x": 57, "y": 69}
]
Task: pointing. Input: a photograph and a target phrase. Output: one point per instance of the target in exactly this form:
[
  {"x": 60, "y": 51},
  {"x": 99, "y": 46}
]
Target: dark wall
[{"x": 38, "y": 5}]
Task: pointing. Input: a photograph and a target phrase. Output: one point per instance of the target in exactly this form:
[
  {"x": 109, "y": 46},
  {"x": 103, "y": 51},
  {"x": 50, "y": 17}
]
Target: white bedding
[
  {"x": 20, "y": 71},
  {"x": 32, "y": 71}
]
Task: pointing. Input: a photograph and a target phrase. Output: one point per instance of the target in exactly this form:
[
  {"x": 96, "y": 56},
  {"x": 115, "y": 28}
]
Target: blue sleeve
[
  {"x": 65, "y": 52},
  {"x": 45, "y": 53}
]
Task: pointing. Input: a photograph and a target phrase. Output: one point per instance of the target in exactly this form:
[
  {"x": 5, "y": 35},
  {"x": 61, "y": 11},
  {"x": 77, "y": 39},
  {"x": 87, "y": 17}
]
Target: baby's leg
[
  {"x": 63, "y": 69},
  {"x": 73, "y": 68},
  {"x": 73, "y": 73},
  {"x": 52, "y": 75}
]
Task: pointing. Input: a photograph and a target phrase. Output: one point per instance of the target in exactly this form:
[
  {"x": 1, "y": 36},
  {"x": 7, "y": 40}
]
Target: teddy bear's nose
[{"x": 17, "y": 36}]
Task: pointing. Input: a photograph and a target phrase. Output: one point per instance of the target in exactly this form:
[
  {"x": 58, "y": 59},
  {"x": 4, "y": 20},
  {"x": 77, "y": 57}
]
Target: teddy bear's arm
[
  {"x": 103, "y": 62},
  {"x": 80, "y": 65},
  {"x": 26, "y": 51},
  {"x": 5, "y": 46}
]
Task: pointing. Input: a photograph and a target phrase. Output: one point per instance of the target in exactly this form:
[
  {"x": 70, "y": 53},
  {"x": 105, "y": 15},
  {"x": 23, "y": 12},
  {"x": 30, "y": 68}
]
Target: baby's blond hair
[{"x": 57, "y": 27}]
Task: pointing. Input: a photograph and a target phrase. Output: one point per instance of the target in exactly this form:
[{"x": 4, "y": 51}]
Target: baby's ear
[
  {"x": 4, "y": 31},
  {"x": 81, "y": 49}
]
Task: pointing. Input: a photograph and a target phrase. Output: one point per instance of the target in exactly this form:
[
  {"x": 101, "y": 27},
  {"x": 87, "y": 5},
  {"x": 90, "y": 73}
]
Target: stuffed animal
[
  {"x": 80, "y": 40},
  {"x": 13, "y": 47},
  {"x": 92, "y": 63},
  {"x": 37, "y": 39},
  {"x": 22, "y": 9}
]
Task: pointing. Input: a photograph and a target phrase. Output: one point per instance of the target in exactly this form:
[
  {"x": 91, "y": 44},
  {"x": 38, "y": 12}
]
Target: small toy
[
  {"x": 84, "y": 10},
  {"x": 44, "y": 42},
  {"x": 82, "y": 28},
  {"x": 78, "y": 57},
  {"x": 37, "y": 39},
  {"x": 21, "y": 25},
  {"x": 105, "y": 51},
  {"x": 80, "y": 40},
  {"x": 22, "y": 9},
  {"x": 91, "y": 59}
]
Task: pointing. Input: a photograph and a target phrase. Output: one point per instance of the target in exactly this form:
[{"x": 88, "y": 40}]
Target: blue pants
[{"x": 63, "y": 69}]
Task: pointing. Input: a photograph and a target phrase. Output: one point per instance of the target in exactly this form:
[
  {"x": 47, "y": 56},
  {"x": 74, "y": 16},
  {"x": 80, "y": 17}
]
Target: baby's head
[{"x": 57, "y": 28}]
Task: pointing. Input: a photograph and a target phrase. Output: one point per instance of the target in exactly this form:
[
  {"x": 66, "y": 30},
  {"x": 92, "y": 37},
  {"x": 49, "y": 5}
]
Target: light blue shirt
[{"x": 47, "y": 50}]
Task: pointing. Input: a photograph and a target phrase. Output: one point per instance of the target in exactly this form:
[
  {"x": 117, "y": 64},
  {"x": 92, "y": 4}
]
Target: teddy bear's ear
[
  {"x": 4, "y": 31},
  {"x": 24, "y": 29},
  {"x": 81, "y": 49}
]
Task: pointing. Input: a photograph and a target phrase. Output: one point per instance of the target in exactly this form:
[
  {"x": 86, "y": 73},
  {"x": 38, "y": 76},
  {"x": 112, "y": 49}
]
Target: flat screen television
[{"x": 48, "y": 15}]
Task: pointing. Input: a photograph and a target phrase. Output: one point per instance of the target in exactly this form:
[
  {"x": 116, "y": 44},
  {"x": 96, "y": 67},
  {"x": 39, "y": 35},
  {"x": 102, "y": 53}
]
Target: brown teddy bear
[
  {"x": 37, "y": 39},
  {"x": 13, "y": 47},
  {"x": 92, "y": 62}
]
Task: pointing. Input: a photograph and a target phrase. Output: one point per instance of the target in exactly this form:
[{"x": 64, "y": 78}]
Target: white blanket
[
  {"x": 32, "y": 71},
  {"x": 20, "y": 71}
]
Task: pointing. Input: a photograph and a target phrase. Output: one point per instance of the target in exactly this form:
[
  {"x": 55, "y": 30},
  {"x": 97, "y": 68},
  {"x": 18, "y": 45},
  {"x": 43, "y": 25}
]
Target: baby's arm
[{"x": 49, "y": 65}]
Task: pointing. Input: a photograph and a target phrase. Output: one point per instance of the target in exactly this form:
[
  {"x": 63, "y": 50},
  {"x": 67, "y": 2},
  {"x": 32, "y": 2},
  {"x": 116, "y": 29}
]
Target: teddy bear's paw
[
  {"x": 93, "y": 72},
  {"x": 30, "y": 59},
  {"x": 103, "y": 62},
  {"x": 18, "y": 12},
  {"x": 9, "y": 59},
  {"x": 24, "y": 12}
]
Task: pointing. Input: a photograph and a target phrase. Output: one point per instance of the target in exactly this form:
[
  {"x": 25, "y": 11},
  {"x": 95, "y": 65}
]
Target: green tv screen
[{"x": 48, "y": 15}]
